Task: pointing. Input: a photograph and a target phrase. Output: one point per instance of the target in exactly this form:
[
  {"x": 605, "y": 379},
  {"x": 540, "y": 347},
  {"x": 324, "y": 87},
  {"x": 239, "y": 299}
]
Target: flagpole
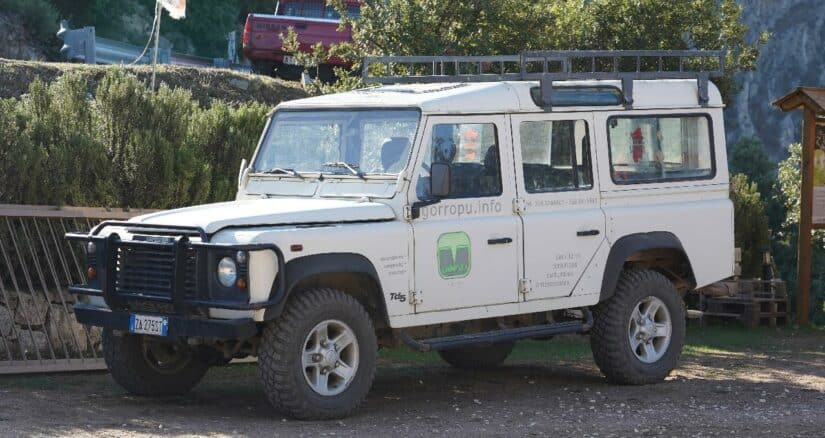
[{"x": 157, "y": 38}]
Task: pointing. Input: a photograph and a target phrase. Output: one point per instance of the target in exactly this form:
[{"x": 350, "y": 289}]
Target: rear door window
[{"x": 660, "y": 148}]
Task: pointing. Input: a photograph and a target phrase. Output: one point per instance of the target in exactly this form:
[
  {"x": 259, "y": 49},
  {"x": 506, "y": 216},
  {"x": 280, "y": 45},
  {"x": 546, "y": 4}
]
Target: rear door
[{"x": 564, "y": 225}]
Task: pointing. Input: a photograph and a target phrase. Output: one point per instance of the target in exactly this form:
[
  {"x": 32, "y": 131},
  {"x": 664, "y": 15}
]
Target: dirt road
[{"x": 743, "y": 384}]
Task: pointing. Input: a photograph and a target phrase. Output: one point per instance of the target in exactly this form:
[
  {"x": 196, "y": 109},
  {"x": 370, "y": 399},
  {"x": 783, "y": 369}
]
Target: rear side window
[
  {"x": 555, "y": 156},
  {"x": 660, "y": 148}
]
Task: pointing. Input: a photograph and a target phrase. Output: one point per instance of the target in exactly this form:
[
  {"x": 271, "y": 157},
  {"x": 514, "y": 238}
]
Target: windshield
[{"x": 338, "y": 142}]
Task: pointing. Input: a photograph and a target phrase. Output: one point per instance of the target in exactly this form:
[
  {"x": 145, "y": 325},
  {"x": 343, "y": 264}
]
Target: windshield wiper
[
  {"x": 284, "y": 170},
  {"x": 353, "y": 169}
]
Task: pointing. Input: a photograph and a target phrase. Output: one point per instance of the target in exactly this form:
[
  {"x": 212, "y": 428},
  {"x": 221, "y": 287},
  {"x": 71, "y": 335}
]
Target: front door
[
  {"x": 467, "y": 244},
  {"x": 563, "y": 221}
]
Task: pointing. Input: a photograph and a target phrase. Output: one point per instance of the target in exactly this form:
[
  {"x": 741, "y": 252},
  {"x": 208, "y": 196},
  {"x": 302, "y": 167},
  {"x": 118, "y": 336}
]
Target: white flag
[{"x": 176, "y": 8}]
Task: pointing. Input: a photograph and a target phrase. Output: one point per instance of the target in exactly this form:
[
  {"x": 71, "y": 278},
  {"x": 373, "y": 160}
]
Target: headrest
[{"x": 392, "y": 150}]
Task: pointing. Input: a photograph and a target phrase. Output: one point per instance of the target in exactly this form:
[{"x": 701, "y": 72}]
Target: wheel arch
[
  {"x": 650, "y": 250},
  {"x": 351, "y": 273}
]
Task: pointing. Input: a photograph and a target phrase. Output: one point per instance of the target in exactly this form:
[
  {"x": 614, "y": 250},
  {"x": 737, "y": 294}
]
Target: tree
[{"x": 487, "y": 27}]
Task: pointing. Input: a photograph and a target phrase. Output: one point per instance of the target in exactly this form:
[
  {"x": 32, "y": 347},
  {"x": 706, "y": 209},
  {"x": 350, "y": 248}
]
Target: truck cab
[{"x": 442, "y": 211}]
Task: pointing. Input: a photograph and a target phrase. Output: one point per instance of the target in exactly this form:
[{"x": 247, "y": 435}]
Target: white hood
[{"x": 273, "y": 211}]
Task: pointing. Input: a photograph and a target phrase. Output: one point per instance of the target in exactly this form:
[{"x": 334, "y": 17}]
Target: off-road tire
[
  {"x": 282, "y": 344},
  {"x": 478, "y": 356},
  {"x": 130, "y": 369},
  {"x": 609, "y": 336}
]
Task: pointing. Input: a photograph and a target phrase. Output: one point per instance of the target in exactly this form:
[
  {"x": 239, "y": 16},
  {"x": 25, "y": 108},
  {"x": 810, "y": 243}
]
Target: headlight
[
  {"x": 91, "y": 248},
  {"x": 227, "y": 272}
]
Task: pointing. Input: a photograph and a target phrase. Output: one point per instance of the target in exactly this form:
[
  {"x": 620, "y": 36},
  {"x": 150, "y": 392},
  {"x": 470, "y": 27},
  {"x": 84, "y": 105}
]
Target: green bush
[
  {"x": 750, "y": 224},
  {"x": 121, "y": 146}
]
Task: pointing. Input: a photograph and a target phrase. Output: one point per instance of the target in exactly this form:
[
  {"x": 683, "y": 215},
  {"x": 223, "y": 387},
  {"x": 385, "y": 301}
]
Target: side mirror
[{"x": 440, "y": 174}]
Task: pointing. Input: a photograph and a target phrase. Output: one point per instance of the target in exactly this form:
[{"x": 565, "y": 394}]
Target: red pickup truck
[{"x": 312, "y": 20}]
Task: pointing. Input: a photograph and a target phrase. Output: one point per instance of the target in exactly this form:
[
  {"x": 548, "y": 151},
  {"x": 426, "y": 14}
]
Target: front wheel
[
  {"x": 638, "y": 333},
  {"x": 318, "y": 359},
  {"x": 147, "y": 367}
]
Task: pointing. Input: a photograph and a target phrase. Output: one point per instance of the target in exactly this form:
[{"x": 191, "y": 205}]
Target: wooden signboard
[{"x": 819, "y": 177}]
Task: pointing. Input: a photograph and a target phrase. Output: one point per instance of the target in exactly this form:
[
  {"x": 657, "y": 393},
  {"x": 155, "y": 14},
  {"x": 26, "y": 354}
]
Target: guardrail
[
  {"x": 38, "y": 331},
  {"x": 84, "y": 45}
]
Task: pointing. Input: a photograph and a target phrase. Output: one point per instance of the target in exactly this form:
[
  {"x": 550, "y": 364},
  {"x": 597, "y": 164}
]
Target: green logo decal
[{"x": 454, "y": 255}]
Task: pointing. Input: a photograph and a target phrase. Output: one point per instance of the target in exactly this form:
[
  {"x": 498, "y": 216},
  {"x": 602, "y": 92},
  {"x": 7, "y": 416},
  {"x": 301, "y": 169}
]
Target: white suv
[{"x": 456, "y": 212}]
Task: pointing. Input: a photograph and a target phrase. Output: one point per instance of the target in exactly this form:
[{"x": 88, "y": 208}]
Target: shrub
[
  {"x": 121, "y": 146},
  {"x": 750, "y": 224}
]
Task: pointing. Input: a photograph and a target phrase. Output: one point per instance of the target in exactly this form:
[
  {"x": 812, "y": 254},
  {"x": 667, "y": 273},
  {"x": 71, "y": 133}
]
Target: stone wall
[{"x": 42, "y": 324}]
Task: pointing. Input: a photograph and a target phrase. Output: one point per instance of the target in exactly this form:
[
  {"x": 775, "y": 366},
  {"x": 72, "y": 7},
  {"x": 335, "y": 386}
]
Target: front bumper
[
  {"x": 179, "y": 326},
  {"x": 188, "y": 296}
]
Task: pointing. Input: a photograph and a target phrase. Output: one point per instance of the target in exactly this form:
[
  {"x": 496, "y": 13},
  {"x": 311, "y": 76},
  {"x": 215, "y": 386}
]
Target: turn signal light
[
  {"x": 241, "y": 283},
  {"x": 91, "y": 273}
]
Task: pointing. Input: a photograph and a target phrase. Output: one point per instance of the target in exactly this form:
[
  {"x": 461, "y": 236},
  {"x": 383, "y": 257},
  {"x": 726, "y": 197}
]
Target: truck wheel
[
  {"x": 149, "y": 368},
  {"x": 478, "y": 356},
  {"x": 638, "y": 333},
  {"x": 317, "y": 360}
]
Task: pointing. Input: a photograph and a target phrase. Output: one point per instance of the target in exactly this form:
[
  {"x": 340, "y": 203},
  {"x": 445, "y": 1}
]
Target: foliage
[
  {"x": 747, "y": 156},
  {"x": 124, "y": 146},
  {"x": 39, "y": 17},
  {"x": 486, "y": 27},
  {"x": 790, "y": 182},
  {"x": 750, "y": 224}
]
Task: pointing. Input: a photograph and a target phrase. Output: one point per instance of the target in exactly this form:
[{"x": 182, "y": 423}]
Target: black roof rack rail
[{"x": 549, "y": 66}]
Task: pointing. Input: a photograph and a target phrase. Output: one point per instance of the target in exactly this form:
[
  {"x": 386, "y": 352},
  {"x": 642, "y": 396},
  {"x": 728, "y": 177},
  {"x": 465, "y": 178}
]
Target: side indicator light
[{"x": 296, "y": 248}]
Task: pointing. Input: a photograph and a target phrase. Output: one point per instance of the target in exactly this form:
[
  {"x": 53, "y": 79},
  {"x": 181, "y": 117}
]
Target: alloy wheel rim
[
  {"x": 649, "y": 329},
  {"x": 329, "y": 358}
]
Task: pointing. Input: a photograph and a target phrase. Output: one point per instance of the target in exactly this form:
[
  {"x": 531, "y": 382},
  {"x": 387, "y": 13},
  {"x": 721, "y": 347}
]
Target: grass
[{"x": 700, "y": 340}]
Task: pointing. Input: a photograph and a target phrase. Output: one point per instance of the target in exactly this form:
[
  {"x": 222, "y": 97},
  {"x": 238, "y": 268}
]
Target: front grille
[{"x": 149, "y": 271}]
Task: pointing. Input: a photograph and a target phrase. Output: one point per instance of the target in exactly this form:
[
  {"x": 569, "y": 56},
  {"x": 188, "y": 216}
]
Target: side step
[{"x": 447, "y": 342}]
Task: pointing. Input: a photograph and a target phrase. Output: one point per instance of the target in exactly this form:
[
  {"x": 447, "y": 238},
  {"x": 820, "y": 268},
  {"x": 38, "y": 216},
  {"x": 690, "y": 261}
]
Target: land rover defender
[{"x": 467, "y": 203}]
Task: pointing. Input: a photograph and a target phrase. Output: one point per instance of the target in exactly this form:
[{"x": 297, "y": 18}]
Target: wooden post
[{"x": 803, "y": 277}]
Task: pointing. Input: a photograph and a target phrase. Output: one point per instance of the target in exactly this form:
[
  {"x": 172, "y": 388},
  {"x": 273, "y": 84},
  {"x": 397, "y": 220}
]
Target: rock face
[{"x": 794, "y": 56}]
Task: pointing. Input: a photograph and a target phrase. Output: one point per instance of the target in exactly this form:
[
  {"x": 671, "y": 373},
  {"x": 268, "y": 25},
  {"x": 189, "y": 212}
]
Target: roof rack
[{"x": 551, "y": 66}]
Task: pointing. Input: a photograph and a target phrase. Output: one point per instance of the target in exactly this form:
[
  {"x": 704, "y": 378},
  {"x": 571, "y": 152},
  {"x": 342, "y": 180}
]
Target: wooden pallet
[{"x": 754, "y": 302}]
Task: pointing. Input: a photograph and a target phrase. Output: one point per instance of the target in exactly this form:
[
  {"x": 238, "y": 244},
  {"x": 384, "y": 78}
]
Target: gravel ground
[{"x": 777, "y": 388}]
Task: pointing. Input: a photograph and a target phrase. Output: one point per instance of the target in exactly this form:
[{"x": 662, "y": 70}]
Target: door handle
[
  {"x": 587, "y": 233},
  {"x": 499, "y": 241}
]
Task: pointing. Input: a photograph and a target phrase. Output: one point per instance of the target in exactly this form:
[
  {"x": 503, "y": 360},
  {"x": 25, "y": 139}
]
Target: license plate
[
  {"x": 290, "y": 60},
  {"x": 148, "y": 325}
]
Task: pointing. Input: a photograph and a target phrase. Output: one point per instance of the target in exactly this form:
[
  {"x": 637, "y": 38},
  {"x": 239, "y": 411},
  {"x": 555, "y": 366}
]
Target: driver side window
[{"x": 472, "y": 151}]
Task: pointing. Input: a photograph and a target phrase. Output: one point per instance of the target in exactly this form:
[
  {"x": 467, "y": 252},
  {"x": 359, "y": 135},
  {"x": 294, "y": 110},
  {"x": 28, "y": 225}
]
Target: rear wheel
[
  {"x": 478, "y": 356},
  {"x": 147, "y": 367},
  {"x": 638, "y": 333},
  {"x": 318, "y": 359}
]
